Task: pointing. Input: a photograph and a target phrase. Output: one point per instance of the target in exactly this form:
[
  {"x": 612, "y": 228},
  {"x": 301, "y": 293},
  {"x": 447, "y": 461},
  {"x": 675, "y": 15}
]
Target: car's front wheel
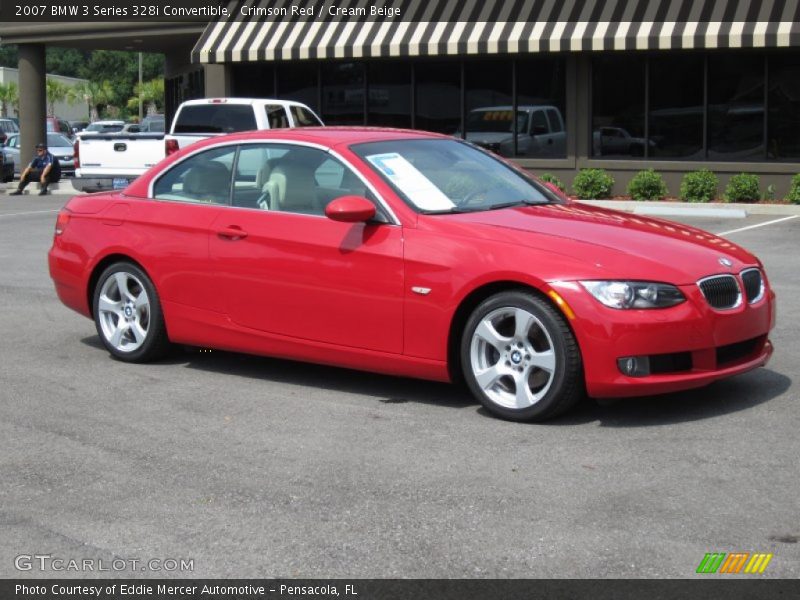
[
  {"x": 520, "y": 358},
  {"x": 127, "y": 314}
]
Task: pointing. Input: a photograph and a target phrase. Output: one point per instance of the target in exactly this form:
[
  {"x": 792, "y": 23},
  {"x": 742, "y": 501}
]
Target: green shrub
[
  {"x": 592, "y": 184},
  {"x": 794, "y": 191},
  {"x": 744, "y": 187},
  {"x": 699, "y": 186},
  {"x": 647, "y": 185},
  {"x": 550, "y": 178}
]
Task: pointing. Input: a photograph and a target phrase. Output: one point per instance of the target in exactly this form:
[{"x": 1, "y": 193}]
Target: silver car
[{"x": 58, "y": 145}]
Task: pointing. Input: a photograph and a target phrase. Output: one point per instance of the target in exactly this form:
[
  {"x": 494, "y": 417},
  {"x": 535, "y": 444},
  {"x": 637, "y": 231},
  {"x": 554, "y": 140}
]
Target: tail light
[
  {"x": 62, "y": 220},
  {"x": 171, "y": 147},
  {"x": 76, "y": 154}
]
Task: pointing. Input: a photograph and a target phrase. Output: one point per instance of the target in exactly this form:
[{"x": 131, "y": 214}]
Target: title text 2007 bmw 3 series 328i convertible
[{"x": 412, "y": 254}]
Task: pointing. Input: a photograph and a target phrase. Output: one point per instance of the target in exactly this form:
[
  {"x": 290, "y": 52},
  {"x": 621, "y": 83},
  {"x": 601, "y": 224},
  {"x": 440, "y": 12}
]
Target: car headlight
[{"x": 634, "y": 294}]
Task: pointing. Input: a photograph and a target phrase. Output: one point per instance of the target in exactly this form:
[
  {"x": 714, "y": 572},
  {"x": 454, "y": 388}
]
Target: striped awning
[{"x": 471, "y": 27}]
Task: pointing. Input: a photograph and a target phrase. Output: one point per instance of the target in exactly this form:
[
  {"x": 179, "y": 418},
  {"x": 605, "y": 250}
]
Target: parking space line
[
  {"x": 33, "y": 212},
  {"x": 773, "y": 222}
]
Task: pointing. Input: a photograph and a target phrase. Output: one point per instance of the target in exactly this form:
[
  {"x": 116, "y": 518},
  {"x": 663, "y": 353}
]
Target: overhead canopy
[{"x": 469, "y": 27}]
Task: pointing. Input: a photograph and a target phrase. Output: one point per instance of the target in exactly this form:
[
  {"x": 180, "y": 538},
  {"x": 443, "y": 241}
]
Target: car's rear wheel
[
  {"x": 127, "y": 314},
  {"x": 520, "y": 358}
]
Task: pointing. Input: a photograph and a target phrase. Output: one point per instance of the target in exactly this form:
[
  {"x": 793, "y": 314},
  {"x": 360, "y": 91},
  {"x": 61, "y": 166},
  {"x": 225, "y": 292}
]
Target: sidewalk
[
  {"x": 62, "y": 188},
  {"x": 697, "y": 209}
]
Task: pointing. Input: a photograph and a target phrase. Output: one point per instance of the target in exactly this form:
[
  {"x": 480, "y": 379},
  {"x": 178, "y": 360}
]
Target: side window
[
  {"x": 204, "y": 177},
  {"x": 304, "y": 117},
  {"x": 539, "y": 123},
  {"x": 253, "y": 167},
  {"x": 301, "y": 180},
  {"x": 64, "y": 127},
  {"x": 555, "y": 120},
  {"x": 276, "y": 116}
]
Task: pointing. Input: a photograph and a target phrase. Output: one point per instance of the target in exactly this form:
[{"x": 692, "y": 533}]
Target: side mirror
[{"x": 350, "y": 209}]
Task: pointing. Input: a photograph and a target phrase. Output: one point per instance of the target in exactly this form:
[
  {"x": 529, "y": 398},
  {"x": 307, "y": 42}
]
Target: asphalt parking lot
[{"x": 253, "y": 467}]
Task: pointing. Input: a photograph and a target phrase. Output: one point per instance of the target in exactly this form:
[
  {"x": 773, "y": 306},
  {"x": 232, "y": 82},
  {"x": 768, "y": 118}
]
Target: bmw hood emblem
[{"x": 726, "y": 262}]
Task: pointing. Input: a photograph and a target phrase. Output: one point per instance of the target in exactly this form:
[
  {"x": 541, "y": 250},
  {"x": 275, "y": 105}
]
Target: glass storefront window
[
  {"x": 736, "y": 107},
  {"x": 389, "y": 95},
  {"x": 489, "y": 119},
  {"x": 784, "y": 107},
  {"x": 299, "y": 81},
  {"x": 676, "y": 106},
  {"x": 618, "y": 94},
  {"x": 343, "y": 93},
  {"x": 541, "y": 108},
  {"x": 438, "y": 101}
]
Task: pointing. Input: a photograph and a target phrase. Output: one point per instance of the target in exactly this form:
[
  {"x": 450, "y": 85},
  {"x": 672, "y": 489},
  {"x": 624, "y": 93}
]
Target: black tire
[
  {"x": 524, "y": 358},
  {"x": 132, "y": 346}
]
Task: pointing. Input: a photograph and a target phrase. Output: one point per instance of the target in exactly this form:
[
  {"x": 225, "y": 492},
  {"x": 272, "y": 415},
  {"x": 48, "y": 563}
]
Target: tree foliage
[{"x": 113, "y": 74}]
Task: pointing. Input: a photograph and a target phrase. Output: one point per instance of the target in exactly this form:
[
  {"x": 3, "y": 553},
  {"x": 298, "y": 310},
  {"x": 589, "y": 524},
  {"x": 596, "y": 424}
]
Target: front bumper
[{"x": 692, "y": 343}]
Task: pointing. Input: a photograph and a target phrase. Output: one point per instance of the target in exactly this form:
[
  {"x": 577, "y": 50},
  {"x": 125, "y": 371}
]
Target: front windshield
[{"x": 445, "y": 176}]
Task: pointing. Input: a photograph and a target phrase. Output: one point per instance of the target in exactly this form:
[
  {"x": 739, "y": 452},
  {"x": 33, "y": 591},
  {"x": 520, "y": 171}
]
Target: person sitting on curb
[{"x": 41, "y": 168}]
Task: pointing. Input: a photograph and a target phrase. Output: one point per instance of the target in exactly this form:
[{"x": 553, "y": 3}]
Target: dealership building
[{"x": 556, "y": 85}]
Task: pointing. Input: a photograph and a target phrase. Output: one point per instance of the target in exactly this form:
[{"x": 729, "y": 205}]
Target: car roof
[
  {"x": 223, "y": 101},
  {"x": 332, "y": 136}
]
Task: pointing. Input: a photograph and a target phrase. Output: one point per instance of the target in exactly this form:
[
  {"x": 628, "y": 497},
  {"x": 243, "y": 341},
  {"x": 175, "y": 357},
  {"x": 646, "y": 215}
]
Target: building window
[
  {"x": 343, "y": 93},
  {"x": 736, "y": 107},
  {"x": 618, "y": 106},
  {"x": 389, "y": 102},
  {"x": 489, "y": 120},
  {"x": 541, "y": 108},
  {"x": 784, "y": 107},
  {"x": 253, "y": 80},
  {"x": 438, "y": 96},
  {"x": 299, "y": 81},
  {"x": 675, "y": 125},
  {"x": 721, "y": 106}
]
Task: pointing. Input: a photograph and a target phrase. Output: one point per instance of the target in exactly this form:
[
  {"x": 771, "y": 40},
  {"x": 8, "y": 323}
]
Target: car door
[
  {"x": 173, "y": 231},
  {"x": 287, "y": 269}
]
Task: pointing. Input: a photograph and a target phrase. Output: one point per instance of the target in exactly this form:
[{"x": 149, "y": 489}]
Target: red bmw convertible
[{"x": 412, "y": 254}]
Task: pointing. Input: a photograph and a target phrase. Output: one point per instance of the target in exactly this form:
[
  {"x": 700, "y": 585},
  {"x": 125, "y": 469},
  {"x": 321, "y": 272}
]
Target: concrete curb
[{"x": 684, "y": 209}]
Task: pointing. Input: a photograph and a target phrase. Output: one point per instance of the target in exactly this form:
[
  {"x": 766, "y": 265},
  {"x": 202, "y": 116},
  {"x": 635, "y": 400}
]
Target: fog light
[{"x": 634, "y": 366}]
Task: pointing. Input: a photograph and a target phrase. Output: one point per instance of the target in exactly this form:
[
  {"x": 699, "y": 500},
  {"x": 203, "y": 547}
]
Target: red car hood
[{"x": 608, "y": 243}]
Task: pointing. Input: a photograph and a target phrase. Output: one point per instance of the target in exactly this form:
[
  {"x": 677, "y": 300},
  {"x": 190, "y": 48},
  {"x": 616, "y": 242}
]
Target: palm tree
[
  {"x": 152, "y": 95},
  {"x": 95, "y": 94},
  {"x": 56, "y": 92},
  {"x": 9, "y": 95}
]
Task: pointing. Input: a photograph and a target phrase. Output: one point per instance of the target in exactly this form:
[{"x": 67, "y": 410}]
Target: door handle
[
  {"x": 233, "y": 233},
  {"x": 550, "y": 141}
]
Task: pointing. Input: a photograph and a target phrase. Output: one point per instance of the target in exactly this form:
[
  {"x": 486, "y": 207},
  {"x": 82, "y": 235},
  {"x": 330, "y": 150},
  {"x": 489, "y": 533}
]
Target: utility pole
[{"x": 140, "y": 88}]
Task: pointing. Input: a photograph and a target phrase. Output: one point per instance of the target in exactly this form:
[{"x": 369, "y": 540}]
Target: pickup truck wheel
[
  {"x": 127, "y": 314},
  {"x": 520, "y": 358}
]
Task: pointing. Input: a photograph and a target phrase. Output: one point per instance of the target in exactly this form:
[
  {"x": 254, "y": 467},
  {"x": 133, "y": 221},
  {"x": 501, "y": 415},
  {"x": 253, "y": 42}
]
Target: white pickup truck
[
  {"x": 199, "y": 119},
  {"x": 112, "y": 161}
]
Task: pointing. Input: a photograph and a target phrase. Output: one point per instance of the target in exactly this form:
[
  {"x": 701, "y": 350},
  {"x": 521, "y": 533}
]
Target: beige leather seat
[{"x": 291, "y": 188}]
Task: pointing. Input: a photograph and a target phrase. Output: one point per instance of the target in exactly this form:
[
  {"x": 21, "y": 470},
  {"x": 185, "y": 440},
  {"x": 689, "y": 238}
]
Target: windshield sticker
[{"x": 419, "y": 189}]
